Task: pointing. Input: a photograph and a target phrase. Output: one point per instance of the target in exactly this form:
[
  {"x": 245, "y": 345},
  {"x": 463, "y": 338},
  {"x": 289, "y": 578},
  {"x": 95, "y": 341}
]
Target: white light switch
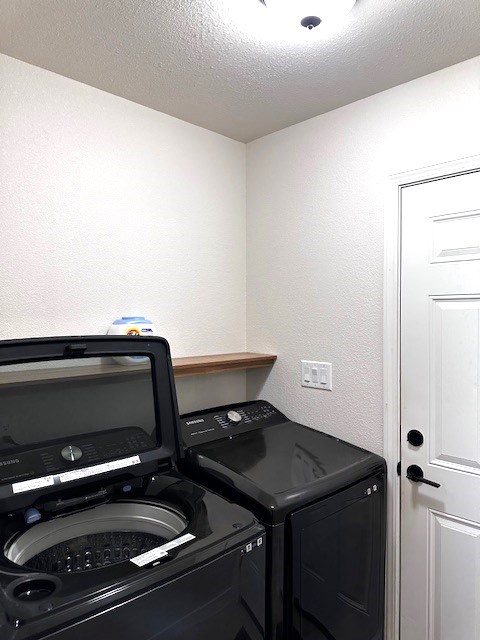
[{"x": 317, "y": 375}]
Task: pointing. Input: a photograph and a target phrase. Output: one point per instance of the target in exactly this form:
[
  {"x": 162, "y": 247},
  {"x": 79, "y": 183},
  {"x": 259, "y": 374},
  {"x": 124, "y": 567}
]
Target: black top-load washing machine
[
  {"x": 323, "y": 504},
  {"x": 100, "y": 536}
]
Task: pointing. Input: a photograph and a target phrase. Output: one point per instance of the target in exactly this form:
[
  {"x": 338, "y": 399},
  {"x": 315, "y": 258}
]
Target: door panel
[
  {"x": 454, "y": 578},
  {"x": 337, "y": 565},
  {"x": 456, "y": 237},
  {"x": 454, "y": 367},
  {"x": 440, "y": 396}
]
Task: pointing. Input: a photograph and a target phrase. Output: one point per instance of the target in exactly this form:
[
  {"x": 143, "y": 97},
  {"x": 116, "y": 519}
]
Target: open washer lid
[{"x": 77, "y": 409}]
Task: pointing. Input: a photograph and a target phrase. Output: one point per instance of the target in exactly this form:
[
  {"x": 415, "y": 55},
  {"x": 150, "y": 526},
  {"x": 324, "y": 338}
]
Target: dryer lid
[{"x": 74, "y": 409}]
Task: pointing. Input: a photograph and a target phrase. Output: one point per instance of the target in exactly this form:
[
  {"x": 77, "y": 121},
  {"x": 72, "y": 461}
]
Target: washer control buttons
[
  {"x": 71, "y": 453},
  {"x": 234, "y": 417},
  {"x": 246, "y": 416}
]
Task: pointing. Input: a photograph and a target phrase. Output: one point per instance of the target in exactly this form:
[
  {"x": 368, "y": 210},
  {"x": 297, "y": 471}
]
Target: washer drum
[{"x": 95, "y": 538}]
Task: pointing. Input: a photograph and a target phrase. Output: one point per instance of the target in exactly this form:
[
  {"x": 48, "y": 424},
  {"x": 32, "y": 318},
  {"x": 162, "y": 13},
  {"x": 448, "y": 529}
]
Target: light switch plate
[{"x": 317, "y": 375}]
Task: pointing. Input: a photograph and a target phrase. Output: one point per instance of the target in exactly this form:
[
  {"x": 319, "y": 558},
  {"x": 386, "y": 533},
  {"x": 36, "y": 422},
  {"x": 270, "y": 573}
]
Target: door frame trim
[{"x": 391, "y": 362}]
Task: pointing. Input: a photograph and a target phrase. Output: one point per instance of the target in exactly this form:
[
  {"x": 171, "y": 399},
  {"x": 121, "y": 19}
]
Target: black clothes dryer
[
  {"x": 323, "y": 503},
  {"x": 100, "y": 536}
]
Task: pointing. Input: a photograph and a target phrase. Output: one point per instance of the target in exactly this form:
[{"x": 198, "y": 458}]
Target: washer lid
[
  {"x": 74, "y": 409},
  {"x": 273, "y": 466}
]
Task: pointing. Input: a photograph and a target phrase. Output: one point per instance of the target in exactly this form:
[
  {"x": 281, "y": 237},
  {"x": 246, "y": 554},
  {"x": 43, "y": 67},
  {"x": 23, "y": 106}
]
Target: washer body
[
  {"x": 323, "y": 503},
  {"x": 100, "y": 535},
  {"x": 207, "y": 583}
]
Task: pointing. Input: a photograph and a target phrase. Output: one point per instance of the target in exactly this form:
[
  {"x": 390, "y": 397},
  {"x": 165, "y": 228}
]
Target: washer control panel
[
  {"x": 224, "y": 422},
  {"x": 80, "y": 451}
]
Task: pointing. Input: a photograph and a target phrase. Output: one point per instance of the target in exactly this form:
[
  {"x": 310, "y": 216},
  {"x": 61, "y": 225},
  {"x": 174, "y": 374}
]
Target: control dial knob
[
  {"x": 234, "y": 417},
  {"x": 71, "y": 453}
]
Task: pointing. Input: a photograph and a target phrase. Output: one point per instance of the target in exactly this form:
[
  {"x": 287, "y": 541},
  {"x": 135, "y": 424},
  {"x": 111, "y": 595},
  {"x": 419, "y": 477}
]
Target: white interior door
[{"x": 440, "y": 373}]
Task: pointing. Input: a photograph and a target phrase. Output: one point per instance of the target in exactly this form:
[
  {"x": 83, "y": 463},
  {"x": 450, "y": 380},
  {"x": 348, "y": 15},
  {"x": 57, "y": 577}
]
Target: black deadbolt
[{"x": 415, "y": 438}]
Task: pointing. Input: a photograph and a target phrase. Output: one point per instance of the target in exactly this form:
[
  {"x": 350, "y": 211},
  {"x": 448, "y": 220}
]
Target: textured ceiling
[{"x": 225, "y": 65}]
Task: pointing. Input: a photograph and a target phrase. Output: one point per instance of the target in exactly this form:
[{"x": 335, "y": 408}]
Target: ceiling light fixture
[{"x": 310, "y": 13}]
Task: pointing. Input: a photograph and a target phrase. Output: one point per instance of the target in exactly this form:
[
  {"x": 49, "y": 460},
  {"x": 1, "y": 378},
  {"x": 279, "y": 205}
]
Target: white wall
[
  {"x": 108, "y": 208},
  {"x": 315, "y": 240}
]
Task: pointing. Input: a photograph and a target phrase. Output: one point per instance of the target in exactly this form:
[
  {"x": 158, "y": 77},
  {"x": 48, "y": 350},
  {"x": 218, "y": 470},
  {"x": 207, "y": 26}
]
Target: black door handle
[{"x": 415, "y": 474}]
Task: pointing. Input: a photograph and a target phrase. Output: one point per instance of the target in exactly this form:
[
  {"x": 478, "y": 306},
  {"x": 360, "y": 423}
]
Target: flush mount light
[{"x": 309, "y": 13}]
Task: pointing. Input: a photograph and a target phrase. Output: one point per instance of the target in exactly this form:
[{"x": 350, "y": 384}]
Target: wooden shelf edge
[
  {"x": 202, "y": 365},
  {"x": 182, "y": 367}
]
